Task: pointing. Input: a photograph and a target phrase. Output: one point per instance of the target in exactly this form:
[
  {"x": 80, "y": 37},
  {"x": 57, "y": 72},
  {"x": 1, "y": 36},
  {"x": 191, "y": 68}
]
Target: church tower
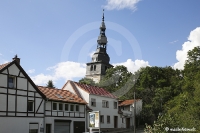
[{"x": 100, "y": 59}]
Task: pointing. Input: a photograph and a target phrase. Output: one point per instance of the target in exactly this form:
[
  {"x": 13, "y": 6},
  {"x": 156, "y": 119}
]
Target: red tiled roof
[
  {"x": 60, "y": 95},
  {"x": 95, "y": 90},
  {"x": 4, "y": 65},
  {"x": 128, "y": 102}
]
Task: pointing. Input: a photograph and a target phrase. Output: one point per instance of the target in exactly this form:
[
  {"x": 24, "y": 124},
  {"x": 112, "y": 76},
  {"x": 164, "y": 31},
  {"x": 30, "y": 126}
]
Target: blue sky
[{"x": 54, "y": 39}]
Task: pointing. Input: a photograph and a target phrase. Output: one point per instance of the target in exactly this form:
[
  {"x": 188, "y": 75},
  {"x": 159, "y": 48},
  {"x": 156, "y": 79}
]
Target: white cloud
[
  {"x": 42, "y": 79},
  {"x": 70, "y": 70},
  {"x": 193, "y": 41},
  {"x": 133, "y": 66},
  {"x": 173, "y": 42},
  {"x": 63, "y": 70},
  {"x": 91, "y": 53},
  {"x": 121, "y": 4},
  {"x": 31, "y": 71}
]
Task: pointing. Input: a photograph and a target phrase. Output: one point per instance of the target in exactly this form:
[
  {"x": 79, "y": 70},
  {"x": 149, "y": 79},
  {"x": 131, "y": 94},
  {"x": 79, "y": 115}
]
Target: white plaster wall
[
  {"x": 21, "y": 75},
  {"x": 5, "y": 71},
  {"x": 18, "y": 124},
  {"x": 30, "y": 87},
  {"x": 84, "y": 94},
  {"x": 38, "y": 101},
  {"x": 69, "y": 88},
  {"x": 21, "y": 104},
  {"x": 3, "y": 80},
  {"x": 22, "y": 83},
  {"x": 13, "y": 70},
  {"x": 3, "y": 98},
  {"x": 11, "y": 103},
  {"x": 106, "y": 111}
]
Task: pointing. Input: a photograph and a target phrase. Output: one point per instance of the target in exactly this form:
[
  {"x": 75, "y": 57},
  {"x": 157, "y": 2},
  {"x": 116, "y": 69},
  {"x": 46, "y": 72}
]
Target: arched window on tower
[
  {"x": 94, "y": 67},
  {"x": 105, "y": 68},
  {"x": 91, "y": 68}
]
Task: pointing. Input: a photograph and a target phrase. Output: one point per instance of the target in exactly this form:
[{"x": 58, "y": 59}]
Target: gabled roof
[
  {"x": 61, "y": 95},
  {"x": 94, "y": 90},
  {"x": 128, "y": 102},
  {"x": 6, "y": 65}
]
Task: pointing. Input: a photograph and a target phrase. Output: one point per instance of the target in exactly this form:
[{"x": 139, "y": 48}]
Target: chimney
[{"x": 17, "y": 59}]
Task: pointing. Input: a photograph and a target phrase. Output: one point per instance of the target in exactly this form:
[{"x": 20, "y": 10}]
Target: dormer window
[{"x": 11, "y": 81}]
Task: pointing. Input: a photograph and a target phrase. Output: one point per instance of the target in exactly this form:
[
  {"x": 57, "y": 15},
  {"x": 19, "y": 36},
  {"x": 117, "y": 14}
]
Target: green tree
[
  {"x": 50, "y": 84},
  {"x": 115, "y": 78},
  {"x": 87, "y": 81}
]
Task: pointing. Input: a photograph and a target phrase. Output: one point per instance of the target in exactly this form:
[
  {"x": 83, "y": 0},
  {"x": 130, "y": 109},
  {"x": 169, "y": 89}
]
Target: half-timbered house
[{"x": 21, "y": 103}]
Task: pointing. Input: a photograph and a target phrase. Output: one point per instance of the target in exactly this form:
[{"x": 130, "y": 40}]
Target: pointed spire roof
[{"x": 103, "y": 16}]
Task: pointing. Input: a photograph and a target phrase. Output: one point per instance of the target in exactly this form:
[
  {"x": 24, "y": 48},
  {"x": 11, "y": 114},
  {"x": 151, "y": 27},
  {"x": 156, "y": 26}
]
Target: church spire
[
  {"x": 102, "y": 39},
  {"x": 103, "y": 16}
]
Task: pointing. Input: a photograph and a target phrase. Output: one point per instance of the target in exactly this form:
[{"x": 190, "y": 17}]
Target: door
[
  {"x": 48, "y": 128},
  {"x": 127, "y": 122},
  {"x": 79, "y": 126},
  {"x": 115, "y": 121},
  {"x": 61, "y": 127}
]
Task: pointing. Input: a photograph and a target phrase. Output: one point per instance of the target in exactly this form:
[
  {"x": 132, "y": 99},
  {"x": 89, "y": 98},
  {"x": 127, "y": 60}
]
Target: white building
[
  {"x": 21, "y": 103},
  {"x": 126, "y": 109},
  {"x": 99, "y": 100}
]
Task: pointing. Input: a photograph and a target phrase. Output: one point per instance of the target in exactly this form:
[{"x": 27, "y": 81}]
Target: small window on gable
[
  {"x": 66, "y": 107},
  {"x": 54, "y": 106},
  {"x": 30, "y": 105},
  {"x": 77, "y": 107},
  {"x": 11, "y": 81}
]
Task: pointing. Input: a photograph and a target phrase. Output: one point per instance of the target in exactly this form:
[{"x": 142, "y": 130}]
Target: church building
[{"x": 96, "y": 69}]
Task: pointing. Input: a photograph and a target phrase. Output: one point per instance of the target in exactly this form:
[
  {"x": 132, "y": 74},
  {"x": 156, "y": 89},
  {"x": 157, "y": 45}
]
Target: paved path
[{"x": 137, "y": 131}]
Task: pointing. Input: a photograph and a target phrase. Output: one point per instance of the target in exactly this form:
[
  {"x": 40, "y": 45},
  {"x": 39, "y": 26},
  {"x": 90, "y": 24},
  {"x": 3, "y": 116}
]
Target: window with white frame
[
  {"x": 71, "y": 107},
  {"x": 115, "y": 105},
  {"x": 11, "y": 82},
  {"x": 60, "y": 105},
  {"x": 66, "y": 107},
  {"x": 54, "y": 106},
  {"x": 105, "y": 104},
  {"x": 93, "y": 102},
  {"x": 30, "y": 106},
  {"x": 77, "y": 107}
]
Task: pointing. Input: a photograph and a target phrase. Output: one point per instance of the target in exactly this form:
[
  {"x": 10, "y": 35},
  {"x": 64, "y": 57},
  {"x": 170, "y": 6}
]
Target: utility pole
[{"x": 134, "y": 113}]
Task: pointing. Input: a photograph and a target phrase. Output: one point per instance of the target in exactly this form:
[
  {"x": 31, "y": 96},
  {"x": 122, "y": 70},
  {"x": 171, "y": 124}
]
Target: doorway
[{"x": 115, "y": 121}]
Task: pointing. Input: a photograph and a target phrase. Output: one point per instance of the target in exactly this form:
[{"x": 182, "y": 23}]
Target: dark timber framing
[{"x": 8, "y": 92}]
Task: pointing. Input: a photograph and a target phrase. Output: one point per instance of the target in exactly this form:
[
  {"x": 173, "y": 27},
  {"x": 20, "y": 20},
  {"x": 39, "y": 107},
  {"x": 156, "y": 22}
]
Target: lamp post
[{"x": 134, "y": 112}]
